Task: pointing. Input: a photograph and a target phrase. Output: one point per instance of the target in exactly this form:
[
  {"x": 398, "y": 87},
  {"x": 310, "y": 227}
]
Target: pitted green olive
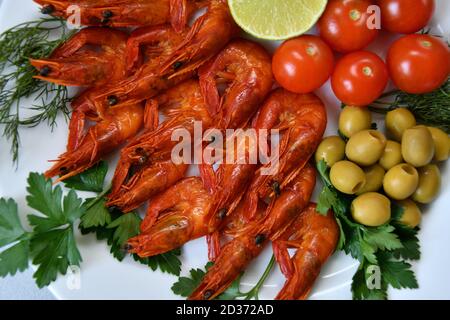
[
  {"x": 371, "y": 209},
  {"x": 353, "y": 120},
  {"x": 331, "y": 149},
  {"x": 411, "y": 213},
  {"x": 401, "y": 181},
  {"x": 397, "y": 121},
  {"x": 429, "y": 184},
  {"x": 365, "y": 147},
  {"x": 441, "y": 144},
  {"x": 392, "y": 155},
  {"x": 374, "y": 179},
  {"x": 417, "y": 146},
  {"x": 347, "y": 177}
]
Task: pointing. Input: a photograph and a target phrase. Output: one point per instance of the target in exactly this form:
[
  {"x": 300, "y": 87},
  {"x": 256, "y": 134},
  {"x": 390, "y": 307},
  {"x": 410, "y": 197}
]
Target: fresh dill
[
  {"x": 17, "y": 45},
  {"x": 432, "y": 109}
]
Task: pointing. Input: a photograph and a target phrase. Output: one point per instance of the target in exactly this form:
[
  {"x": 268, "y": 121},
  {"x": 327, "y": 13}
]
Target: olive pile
[{"x": 368, "y": 163}]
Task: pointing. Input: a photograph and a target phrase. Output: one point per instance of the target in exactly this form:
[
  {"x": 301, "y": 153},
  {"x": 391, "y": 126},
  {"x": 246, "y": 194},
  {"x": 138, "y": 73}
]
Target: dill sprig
[
  {"x": 17, "y": 46},
  {"x": 432, "y": 109}
]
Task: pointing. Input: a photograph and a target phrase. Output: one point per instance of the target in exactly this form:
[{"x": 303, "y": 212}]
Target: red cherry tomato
[
  {"x": 303, "y": 64},
  {"x": 359, "y": 78},
  {"x": 418, "y": 63},
  {"x": 344, "y": 25},
  {"x": 405, "y": 16}
]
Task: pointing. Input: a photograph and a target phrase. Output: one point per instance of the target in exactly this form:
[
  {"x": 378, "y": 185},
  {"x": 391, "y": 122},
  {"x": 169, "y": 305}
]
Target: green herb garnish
[
  {"x": 383, "y": 248},
  {"x": 432, "y": 109},
  {"x": 17, "y": 46},
  {"x": 51, "y": 243},
  {"x": 185, "y": 286}
]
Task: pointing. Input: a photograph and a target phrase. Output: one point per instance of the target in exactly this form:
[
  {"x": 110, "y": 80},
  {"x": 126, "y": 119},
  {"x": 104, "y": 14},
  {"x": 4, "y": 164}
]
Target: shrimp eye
[
  {"x": 177, "y": 65},
  {"x": 142, "y": 159},
  {"x": 259, "y": 239},
  {"x": 222, "y": 213},
  {"x": 107, "y": 14},
  {"x": 48, "y": 9},
  {"x": 207, "y": 294},
  {"x": 276, "y": 188},
  {"x": 63, "y": 170},
  {"x": 112, "y": 100},
  {"x": 45, "y": 71}
]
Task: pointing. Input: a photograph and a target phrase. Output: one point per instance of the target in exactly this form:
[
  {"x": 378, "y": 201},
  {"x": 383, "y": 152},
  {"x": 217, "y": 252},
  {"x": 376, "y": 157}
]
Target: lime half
[{"x": 276, "y": 19}]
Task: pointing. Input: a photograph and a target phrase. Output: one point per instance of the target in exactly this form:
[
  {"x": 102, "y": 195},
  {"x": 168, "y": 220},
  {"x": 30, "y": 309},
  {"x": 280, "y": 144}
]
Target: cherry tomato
[
  {"x": 405, "y": 16},
  {"x": 359, "y": 78},
  {"x": 418, "y": 63},
  {"x": 303, "y": 64},
  {"x": 344, "y": 25}
]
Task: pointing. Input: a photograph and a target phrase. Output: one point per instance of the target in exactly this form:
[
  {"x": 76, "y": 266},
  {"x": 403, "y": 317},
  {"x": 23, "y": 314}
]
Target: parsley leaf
[
  {"x": 396, "y": 273},
  {"x": 185, "y": 286},
  {"x": 411, "y": 246},
  {"x": 90, "y": 180},
  {"x": 96, "y": 214},
  {"x": 125, "y": 227},
  {"x": 352, "y": 245},
  {"x": 382, "y": 238},
  {"x": 10, "y": 227},
  {"x": 54, "y": 251},
  {"x": 166, "y": 262},
  {"x": 14, "y": 258},
  {"x": 360, "y": 288},
  {"x": 52, "y": 245}
]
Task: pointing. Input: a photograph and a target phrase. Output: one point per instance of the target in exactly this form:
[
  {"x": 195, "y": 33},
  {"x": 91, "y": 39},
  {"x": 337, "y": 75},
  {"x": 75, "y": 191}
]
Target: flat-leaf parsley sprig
[
  {"x": 51, "y": 243},
  {"x": 385, "y": 248}
]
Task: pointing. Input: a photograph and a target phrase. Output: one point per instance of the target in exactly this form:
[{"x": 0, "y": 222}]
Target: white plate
[{"x": 103, "y": 277}]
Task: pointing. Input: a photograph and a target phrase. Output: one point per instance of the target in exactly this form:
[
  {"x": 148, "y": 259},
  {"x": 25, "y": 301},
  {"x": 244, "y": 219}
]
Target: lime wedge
[{"x": 276, "y": 19}]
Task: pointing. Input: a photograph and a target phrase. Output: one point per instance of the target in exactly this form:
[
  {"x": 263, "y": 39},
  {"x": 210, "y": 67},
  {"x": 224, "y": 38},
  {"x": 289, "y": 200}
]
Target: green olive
[
  {"x": 411, "y": 213},
  {"x": 365, "y": 147},
  {"x": 392, "y": 155},
  {"x": 429, "y": 184},
  {"x": 374, "y": 179},
  {"x": 347, "y": 177},
  {"x": 417, "y": 146},
  {"x": 331, "y": 149},
  {"x": 353, "y": 120},
  {"x": 441, "y": 144},
  {"x": 401, "y": 181},
  {"x": 371, "y": 209},
  {"x": 397, "y": 121}
]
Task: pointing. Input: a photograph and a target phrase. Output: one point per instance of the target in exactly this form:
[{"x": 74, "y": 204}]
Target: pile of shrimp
[{"x": 162, "y": 65}]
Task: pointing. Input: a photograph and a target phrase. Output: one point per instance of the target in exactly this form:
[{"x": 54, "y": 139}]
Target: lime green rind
[{"x": 261, "y": 9}]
